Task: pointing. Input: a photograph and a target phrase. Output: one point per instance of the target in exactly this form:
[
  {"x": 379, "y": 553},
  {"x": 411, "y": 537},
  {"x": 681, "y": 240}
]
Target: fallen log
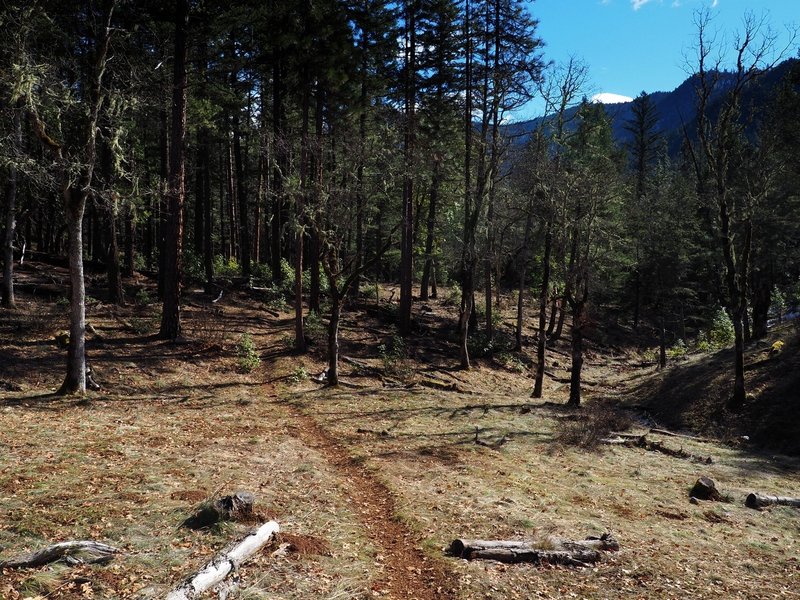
[
  {"x": 74, "y": 552},
  {"x": 226, "y": 562},
  {"x": 641, "y": 441},
  {"x": 762, "y": 501},
  {"x": 554, "y": 551}
]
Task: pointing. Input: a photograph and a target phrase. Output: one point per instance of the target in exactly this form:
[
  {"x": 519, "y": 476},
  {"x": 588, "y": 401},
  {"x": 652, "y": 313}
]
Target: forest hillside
[{"x": 289, "y": 309}]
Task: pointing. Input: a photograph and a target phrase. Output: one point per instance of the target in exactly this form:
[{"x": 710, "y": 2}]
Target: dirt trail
[{"x": 404, "y": 571}]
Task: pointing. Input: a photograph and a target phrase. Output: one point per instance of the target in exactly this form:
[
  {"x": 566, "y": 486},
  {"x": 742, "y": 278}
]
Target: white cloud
[
  {"x": 637, "y": 4},
  {"x": 609, "y": 98}
]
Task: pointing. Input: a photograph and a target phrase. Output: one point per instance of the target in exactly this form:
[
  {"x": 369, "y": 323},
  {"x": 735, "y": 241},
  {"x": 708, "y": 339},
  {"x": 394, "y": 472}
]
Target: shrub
[
  {"x": 720, "y": 334},
  {"x": 778, "y": 305},
  {"x": 594, "y": 422},
  {"x": 678, "y": 349},
  {"x": 314, "y": 327},
  {"x": 143, "y": 297},
  {"x": 298, "y": 375},
  {"x": 248, "y": 355},
  {"x": 223, "y": 268},
  {"x": 453, "y": 297},
  {"x": 394, "y": 355},
  {"x": 193, "y": 268}
]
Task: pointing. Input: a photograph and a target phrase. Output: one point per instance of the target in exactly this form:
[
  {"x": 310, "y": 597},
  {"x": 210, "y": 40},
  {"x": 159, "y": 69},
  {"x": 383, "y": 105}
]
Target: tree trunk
[
  {"x": 74, "y": 205},
  {"x": 333, "y": 333},
  {"x": 577, "y": 354},
  {"x": 739, "y": 394},
  {"x": 113, "y": 270},
  {"x": 407, "y": 232},
  {"x": 526, "y": 240},
  {"x": 233, "y": 227},
  {"x": 541, "y": 344},
  {"x": 433, "y": 200},
  {"x": 299, "y": 334},
  {"x": 241, "y": 196},
  {"x": 208, "y": 244},
  {"x": 130, "y": 242},
  {"x": 554, "y": 308},
  {"x": 362, "y": 149},
  {"x": 762, "y": 298},
  {"x": 278, "y": 170},
  {"x": 170, "y": 316},
  {"x": 163, "y": 199},
  {"x": 662, "y": 353},
  {"x": 467, "y": 266},
  {"x": 200, "y": 167},
  {"x": 11, "y": 216}
]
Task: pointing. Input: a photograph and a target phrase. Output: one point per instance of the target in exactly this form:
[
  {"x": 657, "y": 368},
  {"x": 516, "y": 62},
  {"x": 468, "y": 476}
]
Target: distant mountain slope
[{"x": 675, "y": 108}]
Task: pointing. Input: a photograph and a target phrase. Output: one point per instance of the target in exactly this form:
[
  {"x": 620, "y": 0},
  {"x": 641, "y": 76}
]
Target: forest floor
[{"x": 370, "y": 481}]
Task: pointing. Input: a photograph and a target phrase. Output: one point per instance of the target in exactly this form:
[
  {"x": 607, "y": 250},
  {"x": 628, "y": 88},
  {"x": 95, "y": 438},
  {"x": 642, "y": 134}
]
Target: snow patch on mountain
[{"x": 608, "y": 98}]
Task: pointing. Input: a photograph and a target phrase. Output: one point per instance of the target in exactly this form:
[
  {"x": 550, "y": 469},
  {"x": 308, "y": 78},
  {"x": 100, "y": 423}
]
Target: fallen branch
[
  {"x": 641, "y": 441},
  {"x": 225, "y": 563},
  {"x": 761, "y": 501},
  {"x": 74, "y": 552},
  {"x": 557, "y": 552},
  {"x": 685, "y": 436}
]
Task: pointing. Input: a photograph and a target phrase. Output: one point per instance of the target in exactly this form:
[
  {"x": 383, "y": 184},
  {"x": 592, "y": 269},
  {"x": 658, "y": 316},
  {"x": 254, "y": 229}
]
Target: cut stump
[
  {"x": 705, "y": 489},
  {"x": 235, "y": 507}
]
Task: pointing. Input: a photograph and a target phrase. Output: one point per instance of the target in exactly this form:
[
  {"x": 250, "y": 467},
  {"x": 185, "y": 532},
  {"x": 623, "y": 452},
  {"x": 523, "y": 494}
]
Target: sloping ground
[
  {"x": 369, "y": 481},
  {"x": 693, "y": 395}
]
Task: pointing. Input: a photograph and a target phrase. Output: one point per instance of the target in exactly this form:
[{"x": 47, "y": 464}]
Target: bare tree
[{"x": 720, "y": 133}]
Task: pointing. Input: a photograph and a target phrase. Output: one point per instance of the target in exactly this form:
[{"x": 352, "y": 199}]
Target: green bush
[
  {"x": 193, "y": 268},
  {"x": 298, "y": 375},
  {"x": 678, "y": 349},
  {"x": 453, "y": 297},
  {"x": 394, "y": 355},
  {"x": 143, "y": 297},
  {"x": 314, "y": 327},
  {"x": 229, "y": 268},
  {"x": 721, "y": 333},
  {"x": 248, "y": 355},
  {"x": 778, "y": 304}
]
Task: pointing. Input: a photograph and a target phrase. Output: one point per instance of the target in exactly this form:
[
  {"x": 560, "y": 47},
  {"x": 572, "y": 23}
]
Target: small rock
[{"x": 694, "y": 500}]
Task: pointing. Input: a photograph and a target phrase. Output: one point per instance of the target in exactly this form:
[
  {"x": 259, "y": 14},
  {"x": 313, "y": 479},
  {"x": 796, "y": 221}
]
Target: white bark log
[{"x": 225, "y": 563}]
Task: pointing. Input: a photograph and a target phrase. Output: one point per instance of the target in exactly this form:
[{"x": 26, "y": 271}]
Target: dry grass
[
  {"x": 533, "y": 486},
  {"x": 178, "y": 425}
]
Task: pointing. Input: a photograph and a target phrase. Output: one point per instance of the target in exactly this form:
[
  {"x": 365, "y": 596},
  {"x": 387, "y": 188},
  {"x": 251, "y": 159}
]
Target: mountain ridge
[{"x": 676, "y": 109}]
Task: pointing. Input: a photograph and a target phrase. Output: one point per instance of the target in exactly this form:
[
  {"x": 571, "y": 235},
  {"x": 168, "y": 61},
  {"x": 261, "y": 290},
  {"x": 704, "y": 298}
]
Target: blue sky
[{"x": 639, "y": 45}]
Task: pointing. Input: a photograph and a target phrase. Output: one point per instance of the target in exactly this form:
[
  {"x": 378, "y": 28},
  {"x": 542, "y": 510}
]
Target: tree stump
[
  {"x": 705, "y": 489},
  {"x": 235, "y": 507}
]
